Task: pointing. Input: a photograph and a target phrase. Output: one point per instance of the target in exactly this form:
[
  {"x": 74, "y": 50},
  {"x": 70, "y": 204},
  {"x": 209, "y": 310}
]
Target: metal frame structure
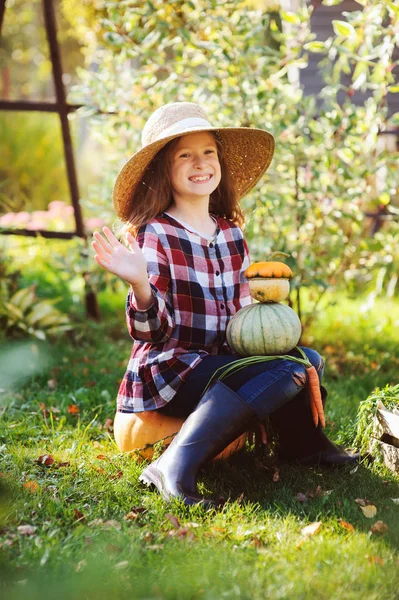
[{"x": 61, "y": 107}]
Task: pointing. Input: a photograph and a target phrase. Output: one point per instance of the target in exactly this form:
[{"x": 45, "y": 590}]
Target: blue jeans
[{"x": 265, "y": 387}]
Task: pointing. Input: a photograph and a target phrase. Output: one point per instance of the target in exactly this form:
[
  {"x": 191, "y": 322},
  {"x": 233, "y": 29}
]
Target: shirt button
[
  {"x": 222, "y": 306},
  {"x": 217, "y": 273}
]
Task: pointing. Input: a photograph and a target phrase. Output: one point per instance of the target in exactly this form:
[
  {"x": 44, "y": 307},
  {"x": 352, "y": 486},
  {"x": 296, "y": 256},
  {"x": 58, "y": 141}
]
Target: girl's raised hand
[{"x": 127, "y": 263}]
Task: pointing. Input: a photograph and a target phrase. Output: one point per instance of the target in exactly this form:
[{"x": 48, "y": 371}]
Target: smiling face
[{"x": 195, "y": 169}]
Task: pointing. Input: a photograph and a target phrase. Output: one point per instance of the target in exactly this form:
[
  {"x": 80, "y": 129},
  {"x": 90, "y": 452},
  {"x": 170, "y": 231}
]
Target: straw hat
[{"x": 247, "y": 151}]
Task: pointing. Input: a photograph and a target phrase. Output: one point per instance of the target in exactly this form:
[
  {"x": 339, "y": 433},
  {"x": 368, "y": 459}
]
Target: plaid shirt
[{"x": 197, "y": 286}]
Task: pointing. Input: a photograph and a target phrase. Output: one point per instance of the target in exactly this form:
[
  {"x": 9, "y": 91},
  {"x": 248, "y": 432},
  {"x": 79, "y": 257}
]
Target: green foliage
[
  {"x": 241, "y": 65},
  {"x": 32, "y": 169},
  {"x": 21, "y": 314},
  {"x": 98, "y": 533},
  {"x": 389, "y": 396}
]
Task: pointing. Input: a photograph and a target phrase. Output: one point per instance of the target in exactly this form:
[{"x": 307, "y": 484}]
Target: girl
[{"x": 179, "y": 196}]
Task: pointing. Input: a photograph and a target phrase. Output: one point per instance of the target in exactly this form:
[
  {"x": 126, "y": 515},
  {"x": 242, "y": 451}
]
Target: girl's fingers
[
  {"x": 100, "y": 242},
  {"x": 101, "y": 261},
  {"x": 99, "y": 248},
  {"x": 111, "y": 238}
]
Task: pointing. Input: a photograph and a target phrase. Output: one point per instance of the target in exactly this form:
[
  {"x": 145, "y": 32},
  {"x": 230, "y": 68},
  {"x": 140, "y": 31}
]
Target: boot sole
[{"x": 153, "y": 480}]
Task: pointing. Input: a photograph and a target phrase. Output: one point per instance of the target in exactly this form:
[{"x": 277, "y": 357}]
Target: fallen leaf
[
  {"x": 52, "y": 384},
  {"x": 191, "y": 524},
  {"x": 102, "y": 457},
  {"x": 89, "y": 384},
  {"x": 346, "y": 525},
  {"x": 95, "y": 523},
  {"x": 97, "y": 444},
  {"x": 315, "y": 493},
  {"x": 276, "y": 475},
  {"x": 360, "y": 501},
  {"x": 122, "y": 565},
  {"x": 112, "y": 524},
  {"x": 64, "y": 464},
  {"x": 109, "y": 425},
  {"x": 26, "y": 529},
  {"x": 379, "y": 527},
  {"x": 395, "y": 500},
  {"x": 78, "y": 516},
  {"x": 73, "y": 409},
  {"x": 311, "y": 529},
  {"x": 45, "y": 459},
  {"x": 240, "y": 498},
  {"x": 375, "y": 560},
  {"x": 301, "y": 497},
  {"x": 173, "y": 520},
  {"x": 131, "y": 516},
  {"x": 32, "y": 486},
  {"x": 116, "y": 475},
  {"x": 182, "y": 532},
  {"x": 81, "y": 564},
  {"x": 369, "y": 510},
  {"x": 101, "y": 470}
]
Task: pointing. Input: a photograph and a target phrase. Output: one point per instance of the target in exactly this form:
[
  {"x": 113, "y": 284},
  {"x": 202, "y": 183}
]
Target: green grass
[{"x": 252, "y": 547}]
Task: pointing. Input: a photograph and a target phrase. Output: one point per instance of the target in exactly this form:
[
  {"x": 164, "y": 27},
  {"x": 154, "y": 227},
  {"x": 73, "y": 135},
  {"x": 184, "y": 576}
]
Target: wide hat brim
[{"x": 247, "y": 151}]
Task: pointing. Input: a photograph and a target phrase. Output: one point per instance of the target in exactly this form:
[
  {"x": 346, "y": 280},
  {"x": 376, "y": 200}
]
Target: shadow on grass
[{"x": 312, "y": 493}]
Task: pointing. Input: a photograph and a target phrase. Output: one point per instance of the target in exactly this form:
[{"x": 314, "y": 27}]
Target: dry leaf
[
  {"x": 360, "y": 501},
  {"x": 102, "y": 457},
  {"x": 64, "y": 464},
  {"x": 276, "y": 475},
  {"x": 73, "y": 409},
  {"x": 375, "y": 560},
  {"x": 301, "y": 497},
  {"x": 346, "y": 525},
  {"x": 45, "y": 459},
  {"x": 96, "y": 444},
  {"x": 122, "y": 565},
  {"x": 81, "y": 564},
  {"x": 101, "y": 470},
  {"x": 52, "y": 384},
  {"x": 32, "y": 486},
  {"x": 173, "y": 520},
  {"x": 116, "y": 475},
  {"x": 112, "y": 524},
  {"x": 78, "y": 516},
  {"x": 89, "y": 384},
  {"x": 109, "y": 425},
  {"x": 240, "y": 498},
  {"x": 311, "y": 529},
  {"x": 26, "y": 529},
  {"x": 369, "y": 510},
  {"x": 379, "y": 527},
  {"x": 130, "y": 516}
]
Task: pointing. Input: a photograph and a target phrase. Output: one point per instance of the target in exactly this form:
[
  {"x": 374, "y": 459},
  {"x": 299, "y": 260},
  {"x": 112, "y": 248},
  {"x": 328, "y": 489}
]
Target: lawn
[{"x": 76, "y": 523}]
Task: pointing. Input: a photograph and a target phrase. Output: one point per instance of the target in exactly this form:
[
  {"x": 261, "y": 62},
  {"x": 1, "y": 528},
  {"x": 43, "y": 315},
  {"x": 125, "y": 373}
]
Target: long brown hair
[{"x": 153, "y": 194}]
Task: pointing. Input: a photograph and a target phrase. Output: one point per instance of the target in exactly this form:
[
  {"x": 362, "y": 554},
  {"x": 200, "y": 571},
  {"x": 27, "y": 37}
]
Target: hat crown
[{"x": 168, "y": 115}]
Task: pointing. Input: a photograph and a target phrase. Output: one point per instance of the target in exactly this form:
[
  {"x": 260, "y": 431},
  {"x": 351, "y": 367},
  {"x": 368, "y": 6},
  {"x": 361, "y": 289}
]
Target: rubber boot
[
  {"x": 300, "y": 440},
  {"x": 220, "y": 417}
]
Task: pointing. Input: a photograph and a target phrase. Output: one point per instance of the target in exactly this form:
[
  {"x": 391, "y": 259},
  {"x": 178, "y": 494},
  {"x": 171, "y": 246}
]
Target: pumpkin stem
[{"x": 278, "y": 254}]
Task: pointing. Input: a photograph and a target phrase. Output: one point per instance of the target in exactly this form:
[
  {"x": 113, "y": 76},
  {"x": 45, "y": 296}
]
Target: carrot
[{"x": 315, "y": 396}]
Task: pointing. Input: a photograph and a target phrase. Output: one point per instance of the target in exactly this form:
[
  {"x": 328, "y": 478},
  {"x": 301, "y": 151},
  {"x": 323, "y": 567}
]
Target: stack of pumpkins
[{"x": 267, "y": 327}]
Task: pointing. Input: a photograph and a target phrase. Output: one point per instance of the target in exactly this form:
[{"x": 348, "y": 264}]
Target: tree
[{"x": 310, "y": 203}]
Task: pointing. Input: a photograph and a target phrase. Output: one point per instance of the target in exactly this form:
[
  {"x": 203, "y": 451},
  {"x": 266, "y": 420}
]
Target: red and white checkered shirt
[{"x": 198, "y": 285}]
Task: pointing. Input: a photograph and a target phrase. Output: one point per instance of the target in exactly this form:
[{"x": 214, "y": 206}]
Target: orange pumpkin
[
  {"x": 268, "y": 269},
  {"x": 139, "y": 432}
]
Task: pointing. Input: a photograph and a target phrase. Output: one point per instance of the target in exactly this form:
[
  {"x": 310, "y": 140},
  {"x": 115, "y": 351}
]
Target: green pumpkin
[{"x": 264, "y": 329}]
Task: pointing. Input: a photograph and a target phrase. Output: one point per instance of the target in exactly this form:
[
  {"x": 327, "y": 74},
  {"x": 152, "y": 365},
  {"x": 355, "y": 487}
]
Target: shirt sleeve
[
  {"x": 245, "y": 295},
  {"x": 156, "y": 323}
]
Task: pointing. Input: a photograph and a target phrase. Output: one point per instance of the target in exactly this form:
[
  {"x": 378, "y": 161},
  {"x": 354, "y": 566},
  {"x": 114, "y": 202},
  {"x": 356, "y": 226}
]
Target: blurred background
[{"x": 321, "y": 76}]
